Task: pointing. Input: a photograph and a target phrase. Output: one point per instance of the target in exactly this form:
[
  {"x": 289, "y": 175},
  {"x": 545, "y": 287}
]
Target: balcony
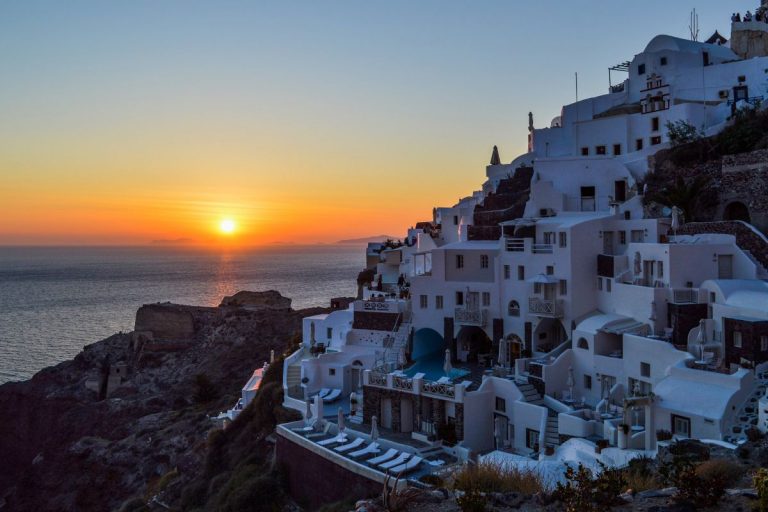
[
  {"x": 685, "y": 296},
  {"x": 527, "y": 245},
  {"x": 477, "y": 317},
  {"x": 545, "y": 308}
]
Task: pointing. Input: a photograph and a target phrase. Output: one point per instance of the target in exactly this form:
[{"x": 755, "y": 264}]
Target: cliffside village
[{"x": 547, "y": 317}]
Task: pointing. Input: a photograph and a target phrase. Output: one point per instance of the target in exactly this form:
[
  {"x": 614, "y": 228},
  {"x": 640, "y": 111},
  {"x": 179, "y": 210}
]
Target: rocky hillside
[{"x": 131, "y": 413}]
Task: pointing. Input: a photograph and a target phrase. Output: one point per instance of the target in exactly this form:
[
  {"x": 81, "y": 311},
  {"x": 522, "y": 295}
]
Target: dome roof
[{"x": 676, "y": 44}]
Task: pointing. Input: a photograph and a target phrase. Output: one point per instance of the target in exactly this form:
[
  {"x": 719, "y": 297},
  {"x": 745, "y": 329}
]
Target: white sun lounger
[
  {"x": 332, "y": 396},
  {"x": 350, "y": 446},
  {"x": 408, "y": 466},
  {"x": 324, "y": 392},
  {"x": 341, "y": 438},
  {"x": 381, "y": 458},
  {"x": 396, "y": 461},
  {"x": 323, "y": 432},
  {"x": 370, "y": 449}
]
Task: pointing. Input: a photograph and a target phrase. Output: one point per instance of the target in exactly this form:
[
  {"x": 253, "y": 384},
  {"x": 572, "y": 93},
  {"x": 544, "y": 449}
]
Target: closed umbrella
[
  {"x": 352, "y": 404},
  {"x": 308, "y": 413},
  {"x": 503, "y": 353},
  {"x": 447, "y": 365},
  {"x": 374, "y": 428},
  {"x": 318, "y": 409},
  {"x": 498, "y": 431},
  {"x": 342, "y": 426},
  {"x": 570, "y": 383},
  {"x": 675, "y": 219}
]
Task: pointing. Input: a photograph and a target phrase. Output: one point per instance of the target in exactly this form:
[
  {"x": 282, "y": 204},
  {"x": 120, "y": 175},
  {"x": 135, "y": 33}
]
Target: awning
[
  {"x": 627, "y": 326},
  {"x": 544, "y": 279}
]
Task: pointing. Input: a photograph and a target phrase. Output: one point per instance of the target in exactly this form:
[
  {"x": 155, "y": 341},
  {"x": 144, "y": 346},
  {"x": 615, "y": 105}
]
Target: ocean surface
[{"x": 55, "y": 300}]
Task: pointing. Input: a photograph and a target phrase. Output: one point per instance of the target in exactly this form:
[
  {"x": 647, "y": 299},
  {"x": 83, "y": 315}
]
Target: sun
[{"x": 227, "y": 226}]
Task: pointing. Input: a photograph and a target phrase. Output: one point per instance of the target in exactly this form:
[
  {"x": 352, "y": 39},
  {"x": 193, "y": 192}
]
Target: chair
[
  {"x": 396, "y": 461},
  {"x": 370, "y": 449},
  {"x": 332, "y": 396},
  {"x": 407, "y": 467},
  {"x": 341, "y": 438},
  {"x": 350, "y": 446},
  {"x": 381, "y": 458}
]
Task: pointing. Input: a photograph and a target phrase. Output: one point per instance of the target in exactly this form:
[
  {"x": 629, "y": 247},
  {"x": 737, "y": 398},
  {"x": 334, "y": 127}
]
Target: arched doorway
[
  {"x": 472, "y": 342},
  {"x": 516, "y": 347},
  {"x": 549, "y": 334},
  {"x": 737, "y": 211}
]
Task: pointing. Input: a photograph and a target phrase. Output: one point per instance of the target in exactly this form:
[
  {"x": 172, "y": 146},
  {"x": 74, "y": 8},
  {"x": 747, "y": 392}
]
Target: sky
[{"x": 125, "y": 122}]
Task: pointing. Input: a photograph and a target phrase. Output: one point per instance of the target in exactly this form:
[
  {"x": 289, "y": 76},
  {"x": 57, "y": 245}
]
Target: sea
[{"x": 55, "y": 300}]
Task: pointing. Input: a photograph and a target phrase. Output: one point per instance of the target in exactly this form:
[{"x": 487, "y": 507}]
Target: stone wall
[
  {"x": 746, "y": 238},
  {"x": 313, "y": 481},
  {"x": 375, "y": 321},
  {"x": 749, "y": 39},
  {"x": 165, "y": 322}
]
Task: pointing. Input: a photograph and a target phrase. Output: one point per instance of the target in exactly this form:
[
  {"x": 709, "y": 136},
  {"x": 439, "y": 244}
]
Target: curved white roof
[
  {"x": 601, "y": 321},
  {"x": 676, "y": 44},
  {"x": 743, "y": 293}
]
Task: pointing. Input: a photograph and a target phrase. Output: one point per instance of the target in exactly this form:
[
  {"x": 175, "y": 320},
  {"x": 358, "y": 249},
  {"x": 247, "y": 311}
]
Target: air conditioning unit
[{"x": 546, "y": 212}]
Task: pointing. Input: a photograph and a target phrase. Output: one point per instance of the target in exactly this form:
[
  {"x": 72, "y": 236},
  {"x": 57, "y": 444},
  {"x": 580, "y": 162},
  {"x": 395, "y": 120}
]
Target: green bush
[{"x": 693, "y": 489}]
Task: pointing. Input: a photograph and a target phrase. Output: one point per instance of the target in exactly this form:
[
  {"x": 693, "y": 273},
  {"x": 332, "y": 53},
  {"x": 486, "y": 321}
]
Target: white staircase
[
  {"x": 293, "y": 381},
  {"x": 762, "y": 273},
  {"x": 530, "y": 394},
  {"x": 552, "y": 436}
]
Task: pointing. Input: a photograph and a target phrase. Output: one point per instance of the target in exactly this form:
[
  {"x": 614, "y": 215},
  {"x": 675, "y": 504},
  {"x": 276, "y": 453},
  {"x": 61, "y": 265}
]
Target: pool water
[{"x": 432, "y": 368}]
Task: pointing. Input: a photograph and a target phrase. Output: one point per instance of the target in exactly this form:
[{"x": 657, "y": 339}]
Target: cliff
[{"x": 130, "y": 414}]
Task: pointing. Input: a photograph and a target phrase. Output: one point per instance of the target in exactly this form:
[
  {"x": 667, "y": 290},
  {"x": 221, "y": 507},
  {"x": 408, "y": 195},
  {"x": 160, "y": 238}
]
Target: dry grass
[
  {"x": 496, "y": 477},
  {"x": 721, "y": 470},
  {"x": 639, "y": 481}
]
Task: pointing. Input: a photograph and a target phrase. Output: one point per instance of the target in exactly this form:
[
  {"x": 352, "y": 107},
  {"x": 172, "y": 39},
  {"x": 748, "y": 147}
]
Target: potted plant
[{"x": 663, "y": 435}]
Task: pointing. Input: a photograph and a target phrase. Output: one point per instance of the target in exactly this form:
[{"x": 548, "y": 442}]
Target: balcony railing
[
  {"x": 685, "y": 296},
  {"x": 547, "y": 308},
  {"x": 378, "y": 379},
  {"x": 402, "y": 383},
  {"x": 445, "y": 390},
  {"x": 476, "y": 317},
  {"x": 543, "y": 248},
  {"x": 515, "y": 245}
]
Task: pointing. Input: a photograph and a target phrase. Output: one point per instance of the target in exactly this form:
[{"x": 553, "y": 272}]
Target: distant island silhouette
[{"x": 365, "y": 240}]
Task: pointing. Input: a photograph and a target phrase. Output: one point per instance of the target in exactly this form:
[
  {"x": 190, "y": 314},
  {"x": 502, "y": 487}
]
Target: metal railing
[
  {"x": 541, "y": 307},
  {"x": 476, "y": 317},
  {"x": 377, "y": 379},
  {"x": 685, "y": 296},
  {"x": 402, "y": 383},
  {"x": 434, "y": 388},
  {"x": 543, "y": 248}
]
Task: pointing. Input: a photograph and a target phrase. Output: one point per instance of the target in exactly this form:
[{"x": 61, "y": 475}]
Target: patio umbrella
[
  {"x": 570, "y": 383},
  {"x": 447, "y": 364},
  {"x": 401, "y": 357},
  {"x": 308, "y": 413},
  {"x": 318, "y": 408},
  {"x": 342, "y": 426},
  {"x": 374, "y": 428}
]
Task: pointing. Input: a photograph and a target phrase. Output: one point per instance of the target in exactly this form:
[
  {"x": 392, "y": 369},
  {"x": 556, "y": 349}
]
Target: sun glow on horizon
[{"x": 227, "y": 226}]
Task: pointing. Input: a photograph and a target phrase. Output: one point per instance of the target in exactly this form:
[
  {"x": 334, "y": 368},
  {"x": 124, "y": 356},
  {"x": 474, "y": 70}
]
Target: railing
[
  {"x": 434, "y": 388},
  {"x": 476, "y": 317},
  {"x": 543, "y": 248},
  {"x": 550, "y": 308},
  {"x": 377, "y": 379},
  {"x": 685, "y": 296},
  {"x": 402, "y": 383},
  {"x": 515, "y": 245}
]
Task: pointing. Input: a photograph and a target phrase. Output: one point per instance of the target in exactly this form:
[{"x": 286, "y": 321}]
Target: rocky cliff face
[{"x": 64, "y": 448}]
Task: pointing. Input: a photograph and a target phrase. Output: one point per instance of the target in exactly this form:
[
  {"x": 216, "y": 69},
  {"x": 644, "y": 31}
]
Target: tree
[
  {"x": 682, "y": 132},
  {"x": 204, "y": 390}
]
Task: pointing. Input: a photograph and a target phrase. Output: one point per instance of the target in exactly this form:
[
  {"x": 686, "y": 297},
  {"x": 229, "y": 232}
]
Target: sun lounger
[
  {"x": 370, "y": 449},
  {"x": 396, "y": 461},
  {"x": 381, "y": 458},
  {"x": 323, "y": 432},
  {"x": 332, "y": 396},
  {"x": 324, "y": 392},
  {"x": 341, "y": 438},
  {"x": 407, "y": 467},
  {"x": 350, "y": 446}
]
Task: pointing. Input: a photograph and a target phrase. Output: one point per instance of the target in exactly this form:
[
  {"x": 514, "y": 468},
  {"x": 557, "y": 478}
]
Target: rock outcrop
[
  {"x": 64, "y": 448},
  {"x": 270, "y": 299}
]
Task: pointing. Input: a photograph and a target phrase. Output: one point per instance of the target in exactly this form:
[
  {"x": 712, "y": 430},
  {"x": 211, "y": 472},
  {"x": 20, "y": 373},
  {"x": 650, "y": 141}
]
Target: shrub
[
  {"x": 204, "y": 390},
  {"x": 753, "y": 434},
  {"x": 692, "y": 489},
  {"x": 433, "y": 480},
  {"x": 663, "y": 435},
  {"x": 682, "y": 132},
  {"x": 472, "y": 501},
  {"x": 585, "y": 492},
  {"x": 760, "y": 481},
  {"x": 497, "y": 477}
]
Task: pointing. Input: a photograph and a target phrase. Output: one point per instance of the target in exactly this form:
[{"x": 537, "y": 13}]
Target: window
[
  {"x": 459, "y": 261},
  {"x": 514, "y": 308},
  {"x": 486, "y": 299},
  {"x": 655, "y": 124},
  {"x": 329, "y": 332},
  {"x": 483, "y": 261},
  {"x": 641, "y": 69},
  {"x": 583, "y": 343},
  {"x": 645, "y": 369},
  {"x": 563, "y": 239},
  {"x": 532, "y": 439},
  {"x": 737, "y": 339},
  {"x": 705, "y": 58},
  {"x": 623, "y": 237},
  {"x": 507, "y": 272},
  {"x": 664, "y": 61},
  {"x": 587, "y": 382},
  {"x": 585, "y": 151},
  {"x": 537, "y": 288},
  {"x": 501, "y": 404},
  {"x": 455, "y": 220},
  {"x": 617, "y": 149},
  {"x": 331, "y": 371},
  {"x": 563, "y": 287},
  {"x": 655, "y": 141},
  {"x": 639, "y": 145},
  {"x": 549, "y": 237},
  {"x": 638, "y": 236},
  {"x": 550, "y": 270},
  {"x": 681, "y": 426},
  {"x": 608, "y": 284},
  {"x": 438, "y": 302},
  {"x": 660, "y": 267},
  {"x": 600, "y": 283},
  {"x": 459, "y": 298},
  {"x": 763, "y": 343},
  {"x": 520, "y": 273},
  {"x": 423, "y": 301},
  {"x": 601, "y": 150}
]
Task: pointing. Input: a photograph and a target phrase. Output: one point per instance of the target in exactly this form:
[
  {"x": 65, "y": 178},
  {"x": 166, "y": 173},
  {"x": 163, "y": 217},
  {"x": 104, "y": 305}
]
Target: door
[
  {"x": 406, "y": 415},
  {"x": 473, "y": 301},
  {"x": 386, "y": 413},
  {"x": 620, "y": 191},
  {"x": 608, "y": 242},
  {"x": 724, "y": 266}
]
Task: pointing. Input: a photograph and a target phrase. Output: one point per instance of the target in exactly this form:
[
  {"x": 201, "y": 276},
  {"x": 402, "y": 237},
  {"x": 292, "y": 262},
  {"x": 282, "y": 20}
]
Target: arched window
[
  {"x": 582, "y": 343},
  {"x": 514, "y": 308}
]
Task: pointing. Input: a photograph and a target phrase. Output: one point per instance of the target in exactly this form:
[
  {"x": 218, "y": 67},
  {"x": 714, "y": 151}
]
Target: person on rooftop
[
  {"x": 748, "y": 16},
  {"x": 734, "y": 17},
  {"x": 758, "y": 16}
]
